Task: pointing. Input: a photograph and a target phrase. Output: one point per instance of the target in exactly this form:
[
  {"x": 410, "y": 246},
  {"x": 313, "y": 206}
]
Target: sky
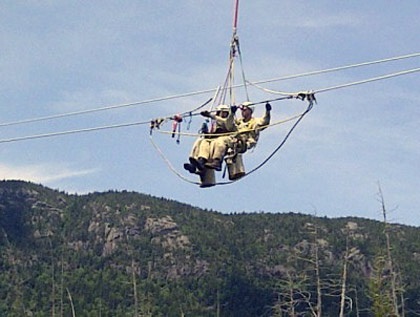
[{"x": 61, "y": 57}]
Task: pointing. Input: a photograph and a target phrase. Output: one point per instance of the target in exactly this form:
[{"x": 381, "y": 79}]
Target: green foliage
[
  {"x": 121, "y": 253},
  {"x": 379, "y": 289}
]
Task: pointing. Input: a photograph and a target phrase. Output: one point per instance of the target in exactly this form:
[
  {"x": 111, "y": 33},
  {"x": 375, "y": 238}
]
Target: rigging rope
[
  {"x": 173, "y": 169},
  {"x": 228, "y": 133},
  {"x": 242, "y": 71},
  {"x": 199, "y": 92},
  {"x": 299, "y": 119}
]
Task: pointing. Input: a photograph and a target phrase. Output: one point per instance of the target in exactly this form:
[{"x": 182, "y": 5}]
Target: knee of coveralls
[
  {"x": 204, "y": 149},
  {"x": 219, "y": 147},
  {"x": 195, "y": 148}
]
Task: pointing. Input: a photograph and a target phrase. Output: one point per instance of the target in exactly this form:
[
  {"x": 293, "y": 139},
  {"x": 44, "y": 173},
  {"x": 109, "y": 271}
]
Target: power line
[
  {"x": 47, "y": 135},
  {"x": 405, "y": 72},
  {"x": 334, "y": 69},
  {"x": 39, "y": 136},
  {"x": 199, "y": 92},
  {"x": 382, "y": 77},
  {"x": 69, "y": 114}
]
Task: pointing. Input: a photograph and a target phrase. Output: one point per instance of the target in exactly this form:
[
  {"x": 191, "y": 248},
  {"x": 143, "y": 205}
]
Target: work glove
[
  {"x": 241, "y": 146},
  {"x": 234, "y": 108},
  {"x": 268, "y": 106},
  {"x": 205, "y": 113}
]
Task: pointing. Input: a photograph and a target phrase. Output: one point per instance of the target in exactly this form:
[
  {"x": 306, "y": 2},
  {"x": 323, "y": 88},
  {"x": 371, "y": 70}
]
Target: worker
[
  {"x": 249, "y": 127},
  {"x": 208, "y": 150}
]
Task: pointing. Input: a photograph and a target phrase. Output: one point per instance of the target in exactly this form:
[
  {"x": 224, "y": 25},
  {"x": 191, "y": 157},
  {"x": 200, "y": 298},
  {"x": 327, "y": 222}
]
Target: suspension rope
[
  {"x": 242, "y": 71},
  {"x": 200, "y": 92},
  {"x": 235, "y": 48},
  {"x": 235, "y": 15}
]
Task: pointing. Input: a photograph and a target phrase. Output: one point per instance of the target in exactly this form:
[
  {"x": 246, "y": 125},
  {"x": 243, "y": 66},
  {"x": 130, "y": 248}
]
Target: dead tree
[
  {"x": 390, "y": 263},
  {"x": 292, "y": 296},
  {"x": 386, "y": 289}
]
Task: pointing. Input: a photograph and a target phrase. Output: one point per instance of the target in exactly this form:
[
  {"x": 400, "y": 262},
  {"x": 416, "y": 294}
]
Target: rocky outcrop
[{"x": 166, "y": 233}]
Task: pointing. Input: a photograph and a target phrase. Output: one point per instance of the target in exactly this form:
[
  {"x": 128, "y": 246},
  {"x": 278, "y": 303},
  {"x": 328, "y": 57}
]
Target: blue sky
[{"x": 64, "y": 56}]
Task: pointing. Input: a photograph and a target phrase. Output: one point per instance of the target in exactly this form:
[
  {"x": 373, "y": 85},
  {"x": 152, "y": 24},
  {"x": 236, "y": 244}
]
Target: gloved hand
[
  {"x": 241, "y": 146},
  {"x": 268, "y": 106},
  {"x": 234, "y": 108},
  {"x": 205, "y": 113}
]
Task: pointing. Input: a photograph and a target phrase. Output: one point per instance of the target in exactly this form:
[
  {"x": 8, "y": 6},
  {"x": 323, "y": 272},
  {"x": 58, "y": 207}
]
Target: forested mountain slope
[{"x": 129, "y": 254}]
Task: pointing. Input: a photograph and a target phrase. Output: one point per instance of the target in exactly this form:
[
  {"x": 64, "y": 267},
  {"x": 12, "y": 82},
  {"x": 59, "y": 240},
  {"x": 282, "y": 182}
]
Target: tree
[{"x": 386, "y": 290}]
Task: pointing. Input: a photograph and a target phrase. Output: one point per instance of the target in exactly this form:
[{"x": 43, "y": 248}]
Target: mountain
[{"x": 130, "y": 254}]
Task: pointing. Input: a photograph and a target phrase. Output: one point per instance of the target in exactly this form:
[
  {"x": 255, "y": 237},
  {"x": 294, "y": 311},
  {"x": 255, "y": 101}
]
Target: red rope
[{"x": 235, "y": 16}]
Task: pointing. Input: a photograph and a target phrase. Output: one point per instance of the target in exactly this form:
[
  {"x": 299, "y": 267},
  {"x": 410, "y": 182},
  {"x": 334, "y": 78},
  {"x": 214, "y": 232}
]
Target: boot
[
  {"x": 198, "y": 163},
  {"x": 201, "y": 163},
  {"x": 189, "y": 167},
  {"x": 237, "y": 176},
  {"x": 215, "y": 164}
]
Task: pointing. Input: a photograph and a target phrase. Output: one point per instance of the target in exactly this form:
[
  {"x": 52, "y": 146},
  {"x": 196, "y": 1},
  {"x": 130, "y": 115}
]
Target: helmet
[
  {"x": 222, "y": 108},
  {"x": 247, "y": 104}
]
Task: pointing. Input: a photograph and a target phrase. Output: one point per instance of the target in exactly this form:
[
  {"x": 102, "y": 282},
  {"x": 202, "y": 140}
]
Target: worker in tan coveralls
[
  {"x": 208, "y": 151},
  {"x": 249, "y": 127},
  {"x": 246, "y": 138}
]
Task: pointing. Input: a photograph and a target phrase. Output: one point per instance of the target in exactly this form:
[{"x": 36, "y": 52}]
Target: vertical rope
[
  {"x": 243, "y": 72},
  {"x": 235, "y": 15}
]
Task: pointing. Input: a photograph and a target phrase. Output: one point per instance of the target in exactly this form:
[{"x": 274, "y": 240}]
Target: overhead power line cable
[
  {"x": 39, "y": 136},
  {"x": 199, "y": 92},
  {"x": 69, "y": 114},
  {"x": 334, "y": 69},
  {"x": 52, "y": 134},
  {"x": 364, "y": 81},
  {"x": 405, "y": 72}
]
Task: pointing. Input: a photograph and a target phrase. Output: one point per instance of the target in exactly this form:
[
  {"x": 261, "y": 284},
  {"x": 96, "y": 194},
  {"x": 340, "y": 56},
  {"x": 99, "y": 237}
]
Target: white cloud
[
  {"x": 42, "y": 173},
  {"x": 330, "y": 21}
]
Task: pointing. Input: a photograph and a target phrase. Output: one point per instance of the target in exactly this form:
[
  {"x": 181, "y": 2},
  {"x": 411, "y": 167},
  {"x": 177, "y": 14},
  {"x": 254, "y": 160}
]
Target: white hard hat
[
  {"x": 222, "y": 108},
  {"x": 247, "y": 104}
]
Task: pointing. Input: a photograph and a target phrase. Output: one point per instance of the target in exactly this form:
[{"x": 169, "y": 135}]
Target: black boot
[
  {"x": 189, "y": 167},
  {"x": 201, "y": 163},
  {"x": 216, "y": 164}
]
